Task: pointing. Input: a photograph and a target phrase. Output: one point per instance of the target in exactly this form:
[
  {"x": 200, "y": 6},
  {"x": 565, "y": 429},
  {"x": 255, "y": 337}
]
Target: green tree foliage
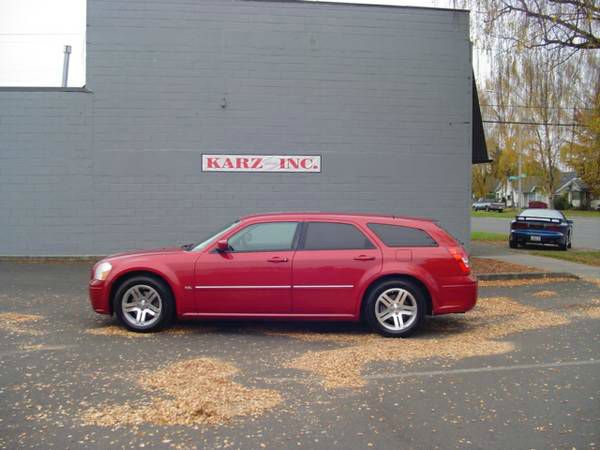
[{"x": 583, "y": 154}]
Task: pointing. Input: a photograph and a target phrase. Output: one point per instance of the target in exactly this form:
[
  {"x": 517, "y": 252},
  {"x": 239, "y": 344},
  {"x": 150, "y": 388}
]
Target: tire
[
  {"x": 570, "y": 241},
  {"x": 512, "y": 244},
  {"x": 403, "y": 321},
  {"x": 146, "y": 299},
  {"x": 563, "y": 246}
]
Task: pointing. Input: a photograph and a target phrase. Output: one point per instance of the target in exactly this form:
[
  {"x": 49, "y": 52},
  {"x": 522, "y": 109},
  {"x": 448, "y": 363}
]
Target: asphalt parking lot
[{"x": 522, "y": 370}]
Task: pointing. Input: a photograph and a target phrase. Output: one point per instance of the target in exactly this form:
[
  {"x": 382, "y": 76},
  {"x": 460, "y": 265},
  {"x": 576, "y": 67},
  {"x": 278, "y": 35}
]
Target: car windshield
[
  {"x": 202, "y": 245},
  {"x": 545, "y": 213}
]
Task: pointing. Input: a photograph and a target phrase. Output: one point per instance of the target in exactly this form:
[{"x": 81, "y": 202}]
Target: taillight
[
  {"x": 461, "y": 257},
  {"x": 519, "y": 225},
  {"x": 553, "y": 228}
]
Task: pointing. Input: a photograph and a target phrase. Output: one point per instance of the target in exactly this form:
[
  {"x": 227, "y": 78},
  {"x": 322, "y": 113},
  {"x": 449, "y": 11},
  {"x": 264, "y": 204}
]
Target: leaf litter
[
  {"x": 523, "y": 282},
  {"x": 201, "y": 392},
  {"x": 194, "y": 391},
  {"x": 478, "y": 333},
  {"x": 545, "y": 294},
  {"x": 18, "y": 323},
  {"x": 121, "y": 331}
]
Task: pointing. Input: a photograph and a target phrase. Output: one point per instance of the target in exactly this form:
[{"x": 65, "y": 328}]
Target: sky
[{"x": 33, "y": 35}]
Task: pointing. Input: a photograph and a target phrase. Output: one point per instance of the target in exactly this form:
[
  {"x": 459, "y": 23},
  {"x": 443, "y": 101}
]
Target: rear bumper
[
  {"x": 98, "y": 293},
  {"x": 537, "y": 237},
  {"x": 457, "y": 297}
]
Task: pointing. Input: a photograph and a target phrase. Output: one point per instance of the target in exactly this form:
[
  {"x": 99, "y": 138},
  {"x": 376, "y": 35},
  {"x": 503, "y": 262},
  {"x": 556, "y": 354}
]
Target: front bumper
[
  {"x": 98, "y": 292},
  {"x": 537, "y": 237}
]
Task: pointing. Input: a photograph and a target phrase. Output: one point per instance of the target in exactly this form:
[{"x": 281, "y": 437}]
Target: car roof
[{"x": 333, "y": 215}]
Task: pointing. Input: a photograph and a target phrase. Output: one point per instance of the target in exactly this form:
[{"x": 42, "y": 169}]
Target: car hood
[{"x": 142, "y": 253}]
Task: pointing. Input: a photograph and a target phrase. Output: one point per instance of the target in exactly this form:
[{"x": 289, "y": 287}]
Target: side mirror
[
  {"x": 222, "y": 245},
  {"x": 570, "y": 222}
]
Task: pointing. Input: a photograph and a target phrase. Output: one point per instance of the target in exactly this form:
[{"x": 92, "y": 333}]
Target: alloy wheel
[
  {"x": 396, "y": 309},
  {"x": 141, "y": 306}
]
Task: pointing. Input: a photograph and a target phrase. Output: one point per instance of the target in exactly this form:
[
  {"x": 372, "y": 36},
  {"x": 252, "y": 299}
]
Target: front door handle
[
  {"x": 277, "y": 259},
  {"x": 364, "y": 258}
]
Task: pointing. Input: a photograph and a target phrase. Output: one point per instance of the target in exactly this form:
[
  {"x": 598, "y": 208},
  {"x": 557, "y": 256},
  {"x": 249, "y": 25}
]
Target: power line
[
  {"x": 539, "y": 107},
  {"x": 515, "y": 122}
]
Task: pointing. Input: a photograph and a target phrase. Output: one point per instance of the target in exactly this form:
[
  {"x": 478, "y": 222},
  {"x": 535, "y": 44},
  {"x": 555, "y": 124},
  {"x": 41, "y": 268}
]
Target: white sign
[{"x": 261, "y": 163}]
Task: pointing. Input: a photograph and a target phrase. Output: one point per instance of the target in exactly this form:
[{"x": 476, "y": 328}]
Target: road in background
[{"x": 586, "y": 230}]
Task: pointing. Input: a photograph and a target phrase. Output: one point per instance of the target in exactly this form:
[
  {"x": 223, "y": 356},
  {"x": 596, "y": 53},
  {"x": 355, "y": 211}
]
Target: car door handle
[
  {"x": 277, "y": 259},
  {"x": 364, "y": 258}
]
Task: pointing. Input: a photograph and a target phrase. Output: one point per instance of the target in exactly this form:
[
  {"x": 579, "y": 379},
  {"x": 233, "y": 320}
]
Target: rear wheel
[
  {"x": 144, "y": 304},
  {"x": 570, "y": 241},
  {"x": 395, "y": 308},
  {"x": 512, "y": 243}
]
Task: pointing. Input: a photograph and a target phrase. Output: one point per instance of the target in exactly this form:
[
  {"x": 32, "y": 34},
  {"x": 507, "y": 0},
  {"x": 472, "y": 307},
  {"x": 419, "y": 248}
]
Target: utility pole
[
  {"x": 520, "y": 182},
  {"x": 65, "y": 77}
]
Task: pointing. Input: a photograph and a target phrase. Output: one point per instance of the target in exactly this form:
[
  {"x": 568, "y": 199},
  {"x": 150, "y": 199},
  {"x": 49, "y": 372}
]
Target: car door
[
  {"x": 253, "y": 277},
  {"x": 331, "y": 261}
]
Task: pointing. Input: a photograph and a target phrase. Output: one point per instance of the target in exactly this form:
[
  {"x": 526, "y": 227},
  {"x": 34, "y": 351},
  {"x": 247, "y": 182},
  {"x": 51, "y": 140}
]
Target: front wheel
[
  {"x": 144, "y": 304},
  {"x": 395, "y": 308}
]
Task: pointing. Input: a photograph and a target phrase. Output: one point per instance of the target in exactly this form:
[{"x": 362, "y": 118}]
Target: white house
[{"x": 532, "y": 190}]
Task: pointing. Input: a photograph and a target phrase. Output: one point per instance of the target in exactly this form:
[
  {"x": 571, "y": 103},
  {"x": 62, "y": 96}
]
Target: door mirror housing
[{"x": 222, "y": 245}]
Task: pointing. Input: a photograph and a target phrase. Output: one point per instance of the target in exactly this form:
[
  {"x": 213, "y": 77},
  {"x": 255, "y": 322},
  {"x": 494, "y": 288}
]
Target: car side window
[
  {"x": 399, "y": 236},
  {"x": 264, "y": 237},
  {"x": 334, "y": 236}
]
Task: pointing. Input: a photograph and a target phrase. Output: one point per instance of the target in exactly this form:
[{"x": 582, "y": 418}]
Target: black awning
[{"x": 478, "y": 147}]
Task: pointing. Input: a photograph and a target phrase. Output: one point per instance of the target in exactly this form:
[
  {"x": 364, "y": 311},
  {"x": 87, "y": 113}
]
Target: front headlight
[{"x": 102, "y": 271}]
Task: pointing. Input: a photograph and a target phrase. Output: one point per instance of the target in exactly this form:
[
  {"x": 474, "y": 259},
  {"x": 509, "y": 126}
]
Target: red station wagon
[{"x": 390, "y": 271}]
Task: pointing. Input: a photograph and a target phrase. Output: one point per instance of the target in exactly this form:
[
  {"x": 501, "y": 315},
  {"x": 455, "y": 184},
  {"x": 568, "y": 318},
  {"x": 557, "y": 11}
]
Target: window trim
[
  {"x": 295, "y": 238},
  {"x": 305, "y": 224},
  {"x": 434, "y": 244}
]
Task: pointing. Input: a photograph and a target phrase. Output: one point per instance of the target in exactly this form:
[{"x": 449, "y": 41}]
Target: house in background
[
  {"x": 575, "y": 190},
  {"x": 532, "y": 188},
  {"x": 571, "y": 186}
]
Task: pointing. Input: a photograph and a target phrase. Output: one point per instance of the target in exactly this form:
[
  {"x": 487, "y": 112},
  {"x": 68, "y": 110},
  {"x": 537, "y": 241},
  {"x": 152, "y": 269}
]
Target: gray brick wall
[{"x": 383, "y": 94}]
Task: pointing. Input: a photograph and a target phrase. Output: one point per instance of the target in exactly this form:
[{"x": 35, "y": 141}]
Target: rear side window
[
  {"x": 334, "y": 236},
  {"x": 398, "y": 236}
]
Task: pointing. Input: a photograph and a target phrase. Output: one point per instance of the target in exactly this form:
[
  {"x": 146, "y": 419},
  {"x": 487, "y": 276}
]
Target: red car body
[{"x": 297, "y": 284}]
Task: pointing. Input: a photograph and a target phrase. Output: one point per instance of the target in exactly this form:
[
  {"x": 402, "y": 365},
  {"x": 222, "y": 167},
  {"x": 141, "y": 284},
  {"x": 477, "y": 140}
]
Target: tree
[
  {"x": 583, "y": 155},
  {"x": 544, "y": 63},
  {"x": 481, "y": 180},
  {"x": 548, "y": 92},
  {"x": 553, "y": 24},
  {"x": 535, "y": 93},
  {"x": 506, "y": 140}
]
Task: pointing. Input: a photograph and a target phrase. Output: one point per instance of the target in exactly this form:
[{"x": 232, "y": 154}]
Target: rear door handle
[
  {"x": 364, "y": 258},
  {"x": 277, "y": 259}
]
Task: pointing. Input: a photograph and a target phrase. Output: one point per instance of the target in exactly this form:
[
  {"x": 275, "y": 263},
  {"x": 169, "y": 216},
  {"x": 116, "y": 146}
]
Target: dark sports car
[{"x": 541, "y": 226}]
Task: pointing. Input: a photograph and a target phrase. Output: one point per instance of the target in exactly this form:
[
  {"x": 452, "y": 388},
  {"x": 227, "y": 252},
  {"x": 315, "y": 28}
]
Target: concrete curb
[{"x": 525, "y": 276}]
